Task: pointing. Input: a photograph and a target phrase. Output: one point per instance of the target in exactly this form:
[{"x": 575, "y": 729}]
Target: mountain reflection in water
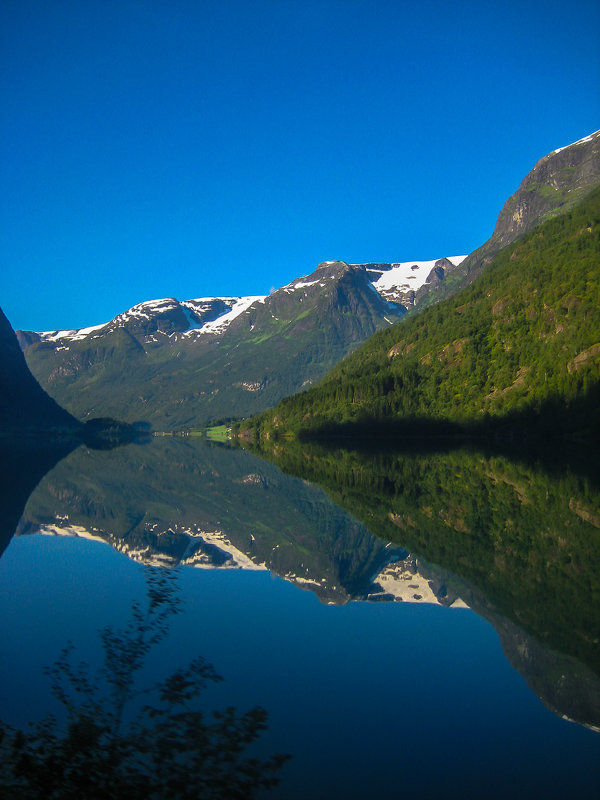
[
  {"x": 23, "y": 463},
  {"x": 514, "y": 542},
  {"x": 178, "y": 502}
]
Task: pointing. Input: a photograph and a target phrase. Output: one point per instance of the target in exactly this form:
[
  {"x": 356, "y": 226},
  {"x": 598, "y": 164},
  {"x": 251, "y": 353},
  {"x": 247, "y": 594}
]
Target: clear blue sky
[{"x": 172, "y": 148}]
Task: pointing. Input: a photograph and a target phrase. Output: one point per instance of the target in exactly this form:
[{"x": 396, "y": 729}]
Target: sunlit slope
[{"x": 523, "y": 341}]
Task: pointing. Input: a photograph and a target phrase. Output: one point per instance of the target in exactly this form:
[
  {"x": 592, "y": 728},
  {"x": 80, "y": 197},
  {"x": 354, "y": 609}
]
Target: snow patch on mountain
[
  {"x": 303, "y": 284},
  {"x": 77, "y": 531},
  {"x": 191, "y": 319},
  {"x": 408, "y": 275},
  {"x": 239, "y": 305},
  {"x": 148, "y": 309},
  {"x": 579, "y": 141},
  {"x": 236, "y": 558},
  {"x": 71, "y": 335},
  {"x": 402, "y": 582}
]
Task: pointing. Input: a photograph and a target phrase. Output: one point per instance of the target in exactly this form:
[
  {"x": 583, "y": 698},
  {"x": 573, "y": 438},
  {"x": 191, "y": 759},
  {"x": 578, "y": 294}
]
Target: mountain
[
  {"x": 520, "y": 540},
  {"x": 180, "y": 364},
  {"x": 177, "y": 364},
  {"x": 32, "y": 432},
  {"x": 24, "y": 405},
  {"x": 521, "y": 345},
  {"x": 557, "y": 183}
]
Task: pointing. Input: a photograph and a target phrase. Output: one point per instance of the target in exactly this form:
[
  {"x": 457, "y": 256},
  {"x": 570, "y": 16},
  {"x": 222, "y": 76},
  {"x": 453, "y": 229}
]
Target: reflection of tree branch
[{"x": 169, "y": 748}]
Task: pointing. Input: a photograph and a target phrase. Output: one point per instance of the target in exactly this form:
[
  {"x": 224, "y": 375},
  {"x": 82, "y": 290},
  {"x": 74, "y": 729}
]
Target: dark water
[{"x": 453, "y": 654}]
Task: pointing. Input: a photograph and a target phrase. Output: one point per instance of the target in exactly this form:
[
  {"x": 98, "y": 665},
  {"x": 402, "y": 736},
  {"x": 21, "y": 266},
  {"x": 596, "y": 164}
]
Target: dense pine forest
[{"x": 521, "y": 345}]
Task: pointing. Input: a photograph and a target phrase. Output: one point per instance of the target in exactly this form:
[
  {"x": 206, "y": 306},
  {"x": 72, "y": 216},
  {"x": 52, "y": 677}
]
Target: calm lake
[{"x": 413, "y": 624}]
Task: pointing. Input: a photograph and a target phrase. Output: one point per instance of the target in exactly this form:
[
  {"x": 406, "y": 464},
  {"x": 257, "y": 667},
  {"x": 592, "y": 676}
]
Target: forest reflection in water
[
  {"x": 515, "y": 542},
  {"x": 519, "y": 540}
]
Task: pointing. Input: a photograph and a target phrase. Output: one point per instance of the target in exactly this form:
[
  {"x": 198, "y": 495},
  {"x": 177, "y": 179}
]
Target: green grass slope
[{"x": 520, "y": 344}]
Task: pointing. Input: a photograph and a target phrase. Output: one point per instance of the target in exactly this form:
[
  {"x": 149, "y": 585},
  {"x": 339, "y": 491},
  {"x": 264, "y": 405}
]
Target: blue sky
[{"x": 185, "y": 149}]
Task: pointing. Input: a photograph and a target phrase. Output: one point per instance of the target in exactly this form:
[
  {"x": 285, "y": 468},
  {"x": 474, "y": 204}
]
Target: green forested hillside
[{"x": 522, "y": 342}]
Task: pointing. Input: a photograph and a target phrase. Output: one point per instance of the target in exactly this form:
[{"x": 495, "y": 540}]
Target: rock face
[
  {"x": 23, "y": 403},
  {"x": 557, "y": 183}
]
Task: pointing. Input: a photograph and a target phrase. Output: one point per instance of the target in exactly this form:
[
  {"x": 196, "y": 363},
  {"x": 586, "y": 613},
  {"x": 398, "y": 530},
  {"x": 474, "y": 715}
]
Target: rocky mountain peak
[
  {"x": 556, "y": 183},
  {"x": 332, "y": 266}
]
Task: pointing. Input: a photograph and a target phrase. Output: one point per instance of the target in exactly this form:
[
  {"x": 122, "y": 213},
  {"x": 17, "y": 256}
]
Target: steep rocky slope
[{"x": 556, "y": 184}]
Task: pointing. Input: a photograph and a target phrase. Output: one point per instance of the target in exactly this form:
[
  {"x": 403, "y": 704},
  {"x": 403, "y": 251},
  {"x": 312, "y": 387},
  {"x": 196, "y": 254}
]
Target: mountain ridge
[{"x": 392, "y": 280}]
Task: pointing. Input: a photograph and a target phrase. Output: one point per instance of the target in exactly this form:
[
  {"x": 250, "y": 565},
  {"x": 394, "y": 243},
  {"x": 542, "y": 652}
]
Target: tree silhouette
[{"x": 117, "y": 740}]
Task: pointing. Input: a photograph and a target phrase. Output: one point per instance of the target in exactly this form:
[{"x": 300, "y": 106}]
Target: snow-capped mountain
[
  {"x": 200, "y": 316},
  {"x": 396, "y": 283},
  {"x": 177, "y": 363},
  {"x": 401, "y": 579},
  {"x": 179, "y": 502}
]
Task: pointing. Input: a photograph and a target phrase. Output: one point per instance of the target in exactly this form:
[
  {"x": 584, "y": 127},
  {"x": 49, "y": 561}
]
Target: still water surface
[{"x": 373, "y": 687}]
